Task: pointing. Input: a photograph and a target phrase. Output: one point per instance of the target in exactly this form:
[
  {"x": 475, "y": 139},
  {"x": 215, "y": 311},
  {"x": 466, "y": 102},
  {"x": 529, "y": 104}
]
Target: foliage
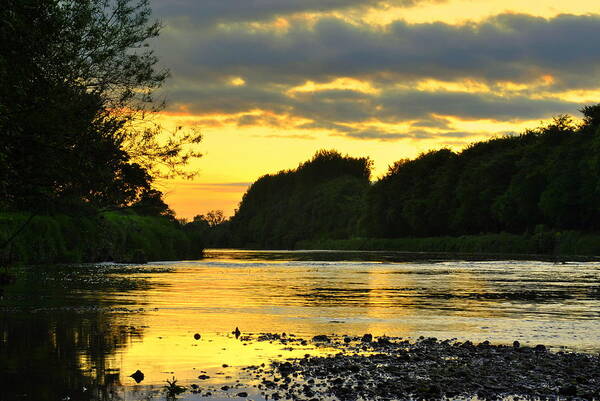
[
  {"x": 173, "y": 389},
  {"x": 110, "y": 236},
  {"x": 546, "y": 176},
  {"x": 212, "y": 218},
  {"x": 537, "y": 192},
  {"x": 321, "y": 198},
  {"x": 552, "y": 243},
  {"x": 76, "y": 80}
]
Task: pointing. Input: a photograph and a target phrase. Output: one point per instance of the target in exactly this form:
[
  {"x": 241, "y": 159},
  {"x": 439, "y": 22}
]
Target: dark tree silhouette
[
  {"x": 76, "y": 77},
  {"x": 545, "y": 179}
]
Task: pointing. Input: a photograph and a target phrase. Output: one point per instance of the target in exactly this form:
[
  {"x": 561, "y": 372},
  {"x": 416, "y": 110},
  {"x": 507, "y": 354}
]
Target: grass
[
  {"x": 172, "y": 389},
  {"x": 111, "y": 236}
]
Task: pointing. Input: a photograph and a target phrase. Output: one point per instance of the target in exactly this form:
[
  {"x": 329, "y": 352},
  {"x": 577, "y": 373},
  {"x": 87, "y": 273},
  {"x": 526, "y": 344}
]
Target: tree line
[{"x": 544, "y": 179}]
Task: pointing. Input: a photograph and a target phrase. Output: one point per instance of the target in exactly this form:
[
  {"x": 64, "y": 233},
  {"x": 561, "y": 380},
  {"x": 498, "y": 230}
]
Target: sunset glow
[{"x": 268, "y": 85}]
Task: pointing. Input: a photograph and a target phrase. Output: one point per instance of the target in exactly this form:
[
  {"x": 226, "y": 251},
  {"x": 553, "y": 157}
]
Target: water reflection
[
  {"x": 57, "y": 341},
  {"x": 70, "y": 328}
]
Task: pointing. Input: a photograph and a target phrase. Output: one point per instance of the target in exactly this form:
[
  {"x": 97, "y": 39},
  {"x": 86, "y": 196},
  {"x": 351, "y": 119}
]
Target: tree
[
  {"x": 77, "y": 79},
  {"x": 212, "y": 219},
  {"x": 152, "y": 204}
]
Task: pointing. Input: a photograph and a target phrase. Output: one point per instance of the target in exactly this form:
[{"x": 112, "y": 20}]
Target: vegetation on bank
[
  {"x": 537, "y": 192},
  {"x": 77, "y": 79},
  {"x": 322, "y": 197},
  {"x": 557, "y": 244},
  {"x": 110, "y": 236}
]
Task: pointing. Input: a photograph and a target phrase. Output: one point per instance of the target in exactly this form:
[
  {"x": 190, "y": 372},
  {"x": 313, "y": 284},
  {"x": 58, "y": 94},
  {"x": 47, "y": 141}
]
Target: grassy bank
[
  {"x": 110, "y": 236},
  {"x": 547, "y": 243}
]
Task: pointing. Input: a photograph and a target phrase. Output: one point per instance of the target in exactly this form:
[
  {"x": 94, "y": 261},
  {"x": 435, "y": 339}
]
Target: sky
[{"x": 270, "y": 82}]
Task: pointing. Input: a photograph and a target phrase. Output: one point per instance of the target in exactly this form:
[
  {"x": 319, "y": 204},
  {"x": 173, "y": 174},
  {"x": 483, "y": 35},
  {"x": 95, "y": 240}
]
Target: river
[{"x": 79, "y": 331}]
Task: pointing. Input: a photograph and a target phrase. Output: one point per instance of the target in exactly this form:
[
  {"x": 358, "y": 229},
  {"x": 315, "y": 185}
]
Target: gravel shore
[{"x": 385, "y": 368}]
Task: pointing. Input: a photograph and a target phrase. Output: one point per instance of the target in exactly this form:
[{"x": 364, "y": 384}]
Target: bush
[{"x": 110, "y": 236}]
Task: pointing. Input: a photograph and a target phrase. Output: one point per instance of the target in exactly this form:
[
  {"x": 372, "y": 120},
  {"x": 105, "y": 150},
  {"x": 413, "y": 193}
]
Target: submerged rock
[
  {"x": 367, "y": 338},
  {"x": 138, "y": 376}
]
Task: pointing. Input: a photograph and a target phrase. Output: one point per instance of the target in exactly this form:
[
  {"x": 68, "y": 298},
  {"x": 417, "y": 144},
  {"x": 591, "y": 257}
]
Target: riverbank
[
  {"x": 383, "y": 368},
  {"x": 109, "y": 236},
  {"x": 550, "y": 245}
]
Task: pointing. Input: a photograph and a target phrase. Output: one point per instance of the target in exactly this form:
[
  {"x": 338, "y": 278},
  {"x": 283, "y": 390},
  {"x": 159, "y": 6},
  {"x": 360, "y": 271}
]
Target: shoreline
[
  {"x": 382, "y": 368},
  {"x": 549, "y": 245},
  {"x": 383, "y": 255}
]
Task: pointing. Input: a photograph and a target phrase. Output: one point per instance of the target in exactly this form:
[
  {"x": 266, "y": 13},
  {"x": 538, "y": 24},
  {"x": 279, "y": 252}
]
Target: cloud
[
  {"x": 507, "y": 47},
  {"x": 218, "y": 11},
  {"x": 383, "y": 135},
  {"x": 331, "y": 109},
  {"x": 470, "y": 106},
  {"x": 560, "y": 53}
]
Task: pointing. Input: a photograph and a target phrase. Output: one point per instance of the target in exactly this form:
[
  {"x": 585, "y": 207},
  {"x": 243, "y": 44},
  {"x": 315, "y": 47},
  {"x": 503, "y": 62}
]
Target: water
[{"x": 78, "y": 332}]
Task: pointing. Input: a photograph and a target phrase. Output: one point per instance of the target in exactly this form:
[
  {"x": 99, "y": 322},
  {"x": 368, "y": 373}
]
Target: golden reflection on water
[{"x": 212, "y": 297}]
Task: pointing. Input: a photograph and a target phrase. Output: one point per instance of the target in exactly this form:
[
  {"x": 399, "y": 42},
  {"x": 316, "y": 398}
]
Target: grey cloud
[
  {"x": 432, "y": 122},
  {"x": 411, "y": 104},
  {"x": 384, "y": 135},
  {"x": 215, "y": 11},
  {"x": 390, "y": 105},
  {"x": 270, "y": 121},
  {"x": 506, "y": 47},
  {"x": 227, "y": 99}
]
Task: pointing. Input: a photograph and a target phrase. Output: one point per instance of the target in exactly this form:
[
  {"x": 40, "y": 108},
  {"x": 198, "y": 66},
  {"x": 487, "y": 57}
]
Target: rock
[
  {"x": 367, "y": 338},
  {"x": 225, "y": 388},
  {"x": 196, "y": 336},
  {"x": 347, "y": 339},
  {"x": 540, "y": 348},
  {"x": 242, "y": 394},
  {"x": 516, "y": 344},
  {"x": 236, "y": 332},
  {"x": 383, "y": 341},
  {"x": 568, "y": 390},
  {"x": 138, "y": 376},
  {"x": 321, "y": 338},
  {"x": 285, "y": 369},
  {"x": 203, "y": 377},
  {"x": 225, "y": 365}
]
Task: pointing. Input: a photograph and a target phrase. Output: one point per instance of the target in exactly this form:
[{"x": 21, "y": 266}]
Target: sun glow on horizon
[{"x": 258, "y": 120}]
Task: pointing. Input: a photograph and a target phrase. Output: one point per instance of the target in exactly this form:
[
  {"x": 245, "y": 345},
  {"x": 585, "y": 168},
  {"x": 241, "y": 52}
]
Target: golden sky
[{"x": 270, "y": 82}]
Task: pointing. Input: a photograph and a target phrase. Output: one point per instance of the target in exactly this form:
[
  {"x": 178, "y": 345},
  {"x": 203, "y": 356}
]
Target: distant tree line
[{"x": 547, "y": 178}]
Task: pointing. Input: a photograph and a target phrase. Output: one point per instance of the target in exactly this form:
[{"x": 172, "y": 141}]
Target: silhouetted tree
[
  {"x": 76, "y": 76},
  {"x": 322, "y": 198}
]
